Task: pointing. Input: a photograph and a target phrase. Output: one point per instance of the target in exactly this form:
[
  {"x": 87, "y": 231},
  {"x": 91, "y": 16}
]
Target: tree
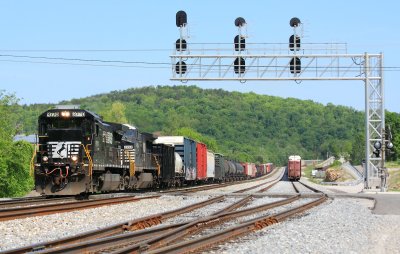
[
  {"x": 14, "y": 156},
  {"x": 357, "y": 154},
  {"x": 116, "y": 113},
  {"x": 393, "y": 120}
]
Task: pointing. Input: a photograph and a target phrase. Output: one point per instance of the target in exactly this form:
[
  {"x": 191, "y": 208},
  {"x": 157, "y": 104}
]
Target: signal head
[
  {"x": 294, "y": 22},
  {"x": 239, "y": 22},
  {"x": 181, "y": 18}
]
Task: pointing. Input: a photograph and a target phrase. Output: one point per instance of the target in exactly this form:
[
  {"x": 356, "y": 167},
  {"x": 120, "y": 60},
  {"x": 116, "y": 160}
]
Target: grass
[
  {"x": 336, "y": 166},
  {"x": 394, "y": 180},
  {"x": 307, "y": 173},
  {"x": 394, "y": 175},
  {"x": 392, "y": 164}
]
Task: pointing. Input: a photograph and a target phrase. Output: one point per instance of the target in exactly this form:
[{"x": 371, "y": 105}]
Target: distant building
[{"x": 28, "y": 138}]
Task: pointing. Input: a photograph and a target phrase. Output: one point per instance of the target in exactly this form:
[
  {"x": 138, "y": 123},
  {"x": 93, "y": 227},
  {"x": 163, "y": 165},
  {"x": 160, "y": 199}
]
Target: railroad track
[
  {"x": 137, "y": 224},
  {"x": 303, "y": 187},
  {"x": 142, "y": 238},
  {"x": 164, "y": 239},
  {"x": 216, "y": 186},
  {"x": 29, "y": 211},
  {"x": 270, "y": 184},
  {"x": 31, "y": 202},
  {"x": 233, "y": 232},
  {"x": 137, "y": 232},
  {"x": 118, "y": 228}
]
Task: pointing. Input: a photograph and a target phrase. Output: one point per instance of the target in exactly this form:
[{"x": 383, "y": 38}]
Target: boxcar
[
  {"x": 210, "y": 165},
  {"x": 165, "y": 155},
  {"x": 186, "y": 148},
  {"x": 269, "y": 167},
  {"x": 249, "y": 169},
  {"x": 220, "y": 165},
  {"x": 201, "y": 161},
  {"x": 294, "y": 167}
]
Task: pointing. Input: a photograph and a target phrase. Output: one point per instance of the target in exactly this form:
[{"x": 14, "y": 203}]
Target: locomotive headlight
[
  {"x": 74, "y": 158},
  {"x": 65, "y": 114},
  {"x": 45, "y": 158}
]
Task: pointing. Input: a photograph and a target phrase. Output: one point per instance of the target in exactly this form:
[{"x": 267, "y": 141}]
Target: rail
[
  {"x": 233, "y": 232},
  {"x": 133, "y": 225},
  {"x": 30, "y": 211}
]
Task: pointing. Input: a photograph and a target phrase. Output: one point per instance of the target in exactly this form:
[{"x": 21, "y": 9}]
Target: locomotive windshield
[{"x": 76, "y": 127}]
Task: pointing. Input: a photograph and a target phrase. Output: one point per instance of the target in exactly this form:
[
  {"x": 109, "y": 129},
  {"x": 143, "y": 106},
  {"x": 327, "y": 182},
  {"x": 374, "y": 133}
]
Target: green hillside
[{"x": 246, "y": 126}]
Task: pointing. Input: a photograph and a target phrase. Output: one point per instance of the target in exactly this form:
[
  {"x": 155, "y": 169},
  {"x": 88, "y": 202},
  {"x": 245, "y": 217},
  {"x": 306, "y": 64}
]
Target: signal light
[
  {"x": 181, "y": 19},
  {"x": 180, "y": 45},
  {"x": 239, "y": 22},
  {"x": 239, "y": 66},
  {"x": 378, "y": 145},
  {"x": 180, "y": 67},
  {"x": 294, "y": 44},
  {"x": 295, "y": 65},
  {"x": 239, "y": 45},
  {"x": 294, "y": 22}
]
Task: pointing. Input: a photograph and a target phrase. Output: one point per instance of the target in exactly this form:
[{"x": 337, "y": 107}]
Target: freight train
[
  {"x": 78, "y": 153},
  {"x": 294, "y": 168}
]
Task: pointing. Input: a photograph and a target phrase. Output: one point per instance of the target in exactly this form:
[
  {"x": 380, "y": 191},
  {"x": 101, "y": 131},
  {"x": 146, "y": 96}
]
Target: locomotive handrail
[{"x": 90, "y": 166}]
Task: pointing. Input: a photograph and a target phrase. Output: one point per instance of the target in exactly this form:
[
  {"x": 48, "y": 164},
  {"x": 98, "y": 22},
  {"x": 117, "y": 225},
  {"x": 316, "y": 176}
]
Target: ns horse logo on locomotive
[{"x": 78, "y": 152}]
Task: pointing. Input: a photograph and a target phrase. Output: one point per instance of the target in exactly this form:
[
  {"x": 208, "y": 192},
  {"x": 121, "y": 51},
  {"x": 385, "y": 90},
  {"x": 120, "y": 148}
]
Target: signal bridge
[{"x": 296, "y": 61}]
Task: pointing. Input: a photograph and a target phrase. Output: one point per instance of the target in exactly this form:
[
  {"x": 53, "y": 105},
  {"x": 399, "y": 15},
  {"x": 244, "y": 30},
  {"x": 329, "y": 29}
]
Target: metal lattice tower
[{"x": 274, "y": 62}]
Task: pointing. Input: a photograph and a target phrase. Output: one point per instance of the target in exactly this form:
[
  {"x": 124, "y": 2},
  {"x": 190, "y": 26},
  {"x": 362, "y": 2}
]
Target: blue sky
[{"x": 34, "y": 28}]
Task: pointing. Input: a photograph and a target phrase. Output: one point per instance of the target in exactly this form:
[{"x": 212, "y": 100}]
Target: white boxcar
[
  {"x": 210, "y": 165},
  {"x": 186, "y": 148},
  {"x": 178, "y": 164}
]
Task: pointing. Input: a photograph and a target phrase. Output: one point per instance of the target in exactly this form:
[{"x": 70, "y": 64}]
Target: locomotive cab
[{"x": 63, "y": 155}]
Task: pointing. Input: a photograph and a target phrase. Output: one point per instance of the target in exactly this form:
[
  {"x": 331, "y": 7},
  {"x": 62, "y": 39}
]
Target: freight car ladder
[{"x": 158, "y": 164}]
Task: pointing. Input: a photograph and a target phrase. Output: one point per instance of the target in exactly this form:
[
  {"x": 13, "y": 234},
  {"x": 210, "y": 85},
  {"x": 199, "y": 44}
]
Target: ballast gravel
[
  {"x": 338, "y": 226},
  {"x": 27, "y": 231},
  {"x": 237, "y": 187},
  {"x": 282, "y": 187}
]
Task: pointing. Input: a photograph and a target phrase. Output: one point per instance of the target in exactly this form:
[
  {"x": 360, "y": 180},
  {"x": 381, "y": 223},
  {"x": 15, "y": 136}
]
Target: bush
[{"x": 15, "y": 179}]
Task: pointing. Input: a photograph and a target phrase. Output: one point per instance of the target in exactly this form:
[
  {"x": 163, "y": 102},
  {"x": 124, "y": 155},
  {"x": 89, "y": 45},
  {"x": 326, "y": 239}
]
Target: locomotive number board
[{"x": 66, "y": 114}]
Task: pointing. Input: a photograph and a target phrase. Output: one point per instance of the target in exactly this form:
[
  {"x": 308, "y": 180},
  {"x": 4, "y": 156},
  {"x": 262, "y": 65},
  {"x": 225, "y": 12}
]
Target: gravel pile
[
  {"x": 339, "y": 226},
  {"x": 27, "y": 231}
]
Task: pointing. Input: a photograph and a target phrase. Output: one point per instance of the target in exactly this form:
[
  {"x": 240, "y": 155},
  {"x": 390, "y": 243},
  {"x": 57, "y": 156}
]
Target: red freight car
[
  {"x": 270, "y": 167},
  {"x": 294, "y": 167},
  {"x": 201, "y": 156},
  {"x": 249, "y": 169}
]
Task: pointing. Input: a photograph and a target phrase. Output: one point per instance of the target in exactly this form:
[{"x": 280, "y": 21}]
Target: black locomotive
[{"x": 78, "y": 152}]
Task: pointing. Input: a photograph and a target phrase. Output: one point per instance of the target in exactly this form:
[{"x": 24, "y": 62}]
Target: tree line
[{"x": 243, "y": 126}]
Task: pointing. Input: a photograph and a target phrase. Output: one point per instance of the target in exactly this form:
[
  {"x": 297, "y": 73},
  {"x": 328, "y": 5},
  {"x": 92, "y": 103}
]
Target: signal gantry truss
[{"x": 240, "y": 61}]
